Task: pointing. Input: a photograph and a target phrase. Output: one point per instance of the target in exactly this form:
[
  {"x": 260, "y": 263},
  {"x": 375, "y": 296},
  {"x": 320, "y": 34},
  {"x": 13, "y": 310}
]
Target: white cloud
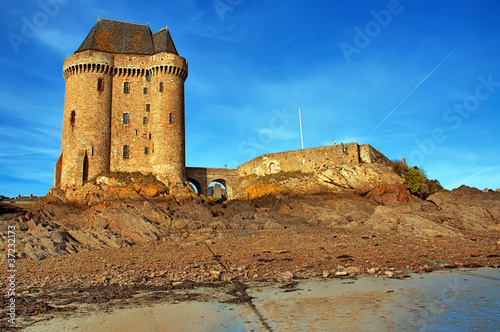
[{"x": 60, "y": 40}]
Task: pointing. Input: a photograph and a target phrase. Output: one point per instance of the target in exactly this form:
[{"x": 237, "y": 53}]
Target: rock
[
  {"x": 32, "y": 224},
  {"x": 404, "y": 221},
  {"x": 326, "y": 274},
  {"x": 215, "y": 274},
  {"x": 373, "y": 270},
  {"x": 272, "y": 225},
  {"x": 389, "y": 274},
  {"x": 352, "y": 270},
  {"x": 287, "y": 275},
  {"x": 177, "y": 284},
  {"x": 468, "y": 208},
  {"x": 341, "y": 273},
  {"x": 179, "y": 224}
]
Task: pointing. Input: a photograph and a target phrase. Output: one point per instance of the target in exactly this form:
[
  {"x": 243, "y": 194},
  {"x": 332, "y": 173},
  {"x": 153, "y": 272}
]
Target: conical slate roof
[{"x": 129, "y": 38}]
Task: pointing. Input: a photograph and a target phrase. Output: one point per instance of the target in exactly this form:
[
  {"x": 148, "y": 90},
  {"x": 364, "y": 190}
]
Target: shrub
[{"x": 416, "y": 179}]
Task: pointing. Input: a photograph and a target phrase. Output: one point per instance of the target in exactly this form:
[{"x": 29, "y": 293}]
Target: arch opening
[
  {"x": 217, "y": 188},
  {"x": 272, "y": 168},
  {"x": 195, "y": 185}
]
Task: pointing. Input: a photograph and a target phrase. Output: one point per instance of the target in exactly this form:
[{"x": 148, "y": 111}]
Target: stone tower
[{"x": 124, "y": 106}]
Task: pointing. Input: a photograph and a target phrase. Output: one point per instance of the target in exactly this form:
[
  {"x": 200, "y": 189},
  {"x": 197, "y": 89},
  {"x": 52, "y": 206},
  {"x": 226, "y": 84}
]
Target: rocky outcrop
[
  {"x": 404, "y": 221},
  {"x": 373, "y": 181},
  {"x": 116, "y": 186},
  {"x": 468, "y": 208},
  {"x": 369, "y": 197}
]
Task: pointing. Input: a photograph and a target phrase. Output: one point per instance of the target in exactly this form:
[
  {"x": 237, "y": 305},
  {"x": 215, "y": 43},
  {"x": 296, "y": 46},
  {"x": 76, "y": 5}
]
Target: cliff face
[{"x": 373, "y": 181}]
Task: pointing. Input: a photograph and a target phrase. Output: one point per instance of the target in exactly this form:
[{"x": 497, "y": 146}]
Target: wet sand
[{"x": 456, "y": 300}]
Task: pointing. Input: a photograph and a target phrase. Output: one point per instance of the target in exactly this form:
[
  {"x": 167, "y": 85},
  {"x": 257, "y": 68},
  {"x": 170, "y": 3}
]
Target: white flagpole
[{"x": 301, "y": 137}]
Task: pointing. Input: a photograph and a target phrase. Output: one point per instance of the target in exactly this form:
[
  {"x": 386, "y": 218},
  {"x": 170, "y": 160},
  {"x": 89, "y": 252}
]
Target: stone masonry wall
[
  {"x": 94, "y": 132},
  {"x": 306, "y": 160},
  {"x": 86, "y": 121},
  {"x": 368, "y": 154}
]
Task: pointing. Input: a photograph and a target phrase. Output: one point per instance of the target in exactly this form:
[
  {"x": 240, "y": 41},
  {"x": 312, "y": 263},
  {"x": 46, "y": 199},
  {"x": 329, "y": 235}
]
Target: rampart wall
[{"x": 309, "y": 160}]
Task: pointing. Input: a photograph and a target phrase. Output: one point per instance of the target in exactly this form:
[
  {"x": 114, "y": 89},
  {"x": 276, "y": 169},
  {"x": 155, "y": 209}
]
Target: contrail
[{"x": 412, "y": 90}]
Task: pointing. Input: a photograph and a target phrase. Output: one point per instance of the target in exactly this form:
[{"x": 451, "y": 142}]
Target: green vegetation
[{"x": 416, "y": 180}]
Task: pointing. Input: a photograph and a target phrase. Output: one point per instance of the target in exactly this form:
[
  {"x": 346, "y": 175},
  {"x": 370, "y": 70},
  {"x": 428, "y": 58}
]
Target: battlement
[{"x": 126, "y": 65}]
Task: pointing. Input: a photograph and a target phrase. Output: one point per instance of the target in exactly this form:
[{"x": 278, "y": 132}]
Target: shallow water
[{"x": 458, "y": 300}]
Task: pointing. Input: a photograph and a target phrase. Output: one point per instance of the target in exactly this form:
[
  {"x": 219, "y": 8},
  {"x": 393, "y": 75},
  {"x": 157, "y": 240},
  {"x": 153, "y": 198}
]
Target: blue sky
[{"x": 417, "y": 79}]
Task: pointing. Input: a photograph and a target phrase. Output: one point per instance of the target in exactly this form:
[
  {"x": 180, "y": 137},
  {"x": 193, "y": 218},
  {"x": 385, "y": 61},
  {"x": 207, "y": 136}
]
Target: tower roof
[{"x": 130, "y": 38}]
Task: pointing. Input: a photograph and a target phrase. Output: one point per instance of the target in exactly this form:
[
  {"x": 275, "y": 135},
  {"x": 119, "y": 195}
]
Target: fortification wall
[
  {"x": 309, "y": 160},
  {"x": 306, "y": 160},
  {"x": 123, "y": 113},
  {"x": 167, "y": 117},
  {"x": 369, "y": 155},
  {"x": 86, "y": 120},
  {"x": 154, "y": 105}
]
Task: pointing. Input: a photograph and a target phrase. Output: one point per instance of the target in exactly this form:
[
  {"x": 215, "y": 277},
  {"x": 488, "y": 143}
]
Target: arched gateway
[{"x": 202, "y": 177}]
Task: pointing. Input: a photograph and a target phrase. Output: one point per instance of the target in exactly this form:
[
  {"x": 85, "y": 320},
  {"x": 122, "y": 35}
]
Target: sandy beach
[{"x": 458, "y": 300}]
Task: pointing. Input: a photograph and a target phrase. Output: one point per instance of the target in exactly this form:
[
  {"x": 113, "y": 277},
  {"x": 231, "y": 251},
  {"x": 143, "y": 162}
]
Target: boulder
[{"x": 403, "y": 221}]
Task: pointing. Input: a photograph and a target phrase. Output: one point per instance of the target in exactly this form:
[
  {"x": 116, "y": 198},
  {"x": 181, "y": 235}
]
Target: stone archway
[
  {"x": 204, "y": 176},
  {"x": 196, "y": 185},
  {"x": 219, "y": 188}
]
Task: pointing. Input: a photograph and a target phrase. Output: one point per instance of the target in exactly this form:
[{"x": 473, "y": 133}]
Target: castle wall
[
  {"x": 86, "y": 120},
  {"x": 306, "y": 160},
  {"x": 369, "y": 155},
  {"x": 132, "y": 132},
  {"x": 167, "y": 115},
  {"x": 150, "y": 140}
]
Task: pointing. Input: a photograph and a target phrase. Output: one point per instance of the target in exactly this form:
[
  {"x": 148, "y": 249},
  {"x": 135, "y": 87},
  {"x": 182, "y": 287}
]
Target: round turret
[
  {"x": 86, "y": 121},
  {"x": 168, "y": 73}
]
